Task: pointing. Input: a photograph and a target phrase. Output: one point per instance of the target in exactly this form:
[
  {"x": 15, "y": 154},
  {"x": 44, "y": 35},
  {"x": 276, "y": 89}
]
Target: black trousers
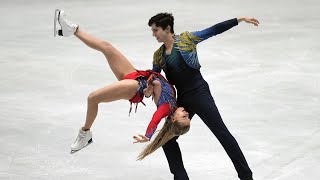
[{"x": 200, "y": 102}]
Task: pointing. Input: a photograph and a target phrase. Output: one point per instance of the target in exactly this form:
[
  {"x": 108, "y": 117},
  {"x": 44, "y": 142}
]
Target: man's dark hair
[{"x": 162, "y": 20}]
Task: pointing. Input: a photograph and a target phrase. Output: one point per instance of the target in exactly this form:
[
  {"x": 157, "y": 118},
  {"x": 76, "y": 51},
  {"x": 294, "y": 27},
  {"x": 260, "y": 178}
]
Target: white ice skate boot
[
  {"x": 84, "y": 139},
  {"x": 67, "y": 27}
]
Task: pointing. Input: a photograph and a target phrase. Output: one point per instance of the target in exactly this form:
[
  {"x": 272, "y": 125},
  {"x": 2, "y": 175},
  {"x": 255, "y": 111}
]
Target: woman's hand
[
  {"x": 250, "y": 20},
  {"x": 140, "y": 139},
  {"x": 148, "y": 91}
]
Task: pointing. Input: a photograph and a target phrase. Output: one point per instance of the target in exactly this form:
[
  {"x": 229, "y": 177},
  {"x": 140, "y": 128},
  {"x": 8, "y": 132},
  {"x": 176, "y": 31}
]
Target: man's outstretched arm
[{"x": 222, "y": 27}]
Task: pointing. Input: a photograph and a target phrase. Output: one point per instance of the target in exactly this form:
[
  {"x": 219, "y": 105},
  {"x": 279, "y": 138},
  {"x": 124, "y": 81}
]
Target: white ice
[{"x": 265, "y": 81}]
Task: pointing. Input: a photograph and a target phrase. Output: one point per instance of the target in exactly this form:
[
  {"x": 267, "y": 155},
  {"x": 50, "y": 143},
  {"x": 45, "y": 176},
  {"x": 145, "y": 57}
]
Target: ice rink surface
[{"x": 265, "y": 81}]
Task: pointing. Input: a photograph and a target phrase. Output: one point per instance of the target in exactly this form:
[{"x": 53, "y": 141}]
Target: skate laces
[
  {"x": 81, "y": 136},
  {"x": 68, "y": 23}
]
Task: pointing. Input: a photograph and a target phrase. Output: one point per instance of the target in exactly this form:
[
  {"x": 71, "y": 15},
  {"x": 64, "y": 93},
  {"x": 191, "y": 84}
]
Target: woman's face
[{"x": 182, "y": 116}]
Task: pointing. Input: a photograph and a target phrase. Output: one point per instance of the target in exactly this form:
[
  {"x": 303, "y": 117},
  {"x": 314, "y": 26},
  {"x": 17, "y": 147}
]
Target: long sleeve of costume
[
  {"x": 215, "y": 29},
  {"x": 155, "y": 68},
  {"x": 162, "y": 111}
]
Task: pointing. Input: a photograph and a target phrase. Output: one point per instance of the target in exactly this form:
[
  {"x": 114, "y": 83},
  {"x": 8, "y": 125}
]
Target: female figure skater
[{"x": 132, "y": 85}]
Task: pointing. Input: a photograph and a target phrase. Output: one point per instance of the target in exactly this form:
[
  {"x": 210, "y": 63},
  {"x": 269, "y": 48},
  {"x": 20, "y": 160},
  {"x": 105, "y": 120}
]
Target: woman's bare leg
[
  {"x": 124, "y": 89},
  {"x": 118, "y": 63}
]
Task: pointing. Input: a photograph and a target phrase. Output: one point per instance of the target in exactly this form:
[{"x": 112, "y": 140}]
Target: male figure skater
[{"x": 178, "y": 58}]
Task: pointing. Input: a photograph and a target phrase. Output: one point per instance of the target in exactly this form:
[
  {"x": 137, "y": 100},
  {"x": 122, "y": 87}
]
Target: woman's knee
[
  {"x": 93, "y": 98},
  {"x": 106, "y": 46}
]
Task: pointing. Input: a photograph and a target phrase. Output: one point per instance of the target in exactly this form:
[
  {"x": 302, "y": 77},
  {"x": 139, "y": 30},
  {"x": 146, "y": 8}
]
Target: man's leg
[
  {"x": 206, "y": 109},
  {"x": 172, "y": 151},
  {"x": 173, "y": 154}
]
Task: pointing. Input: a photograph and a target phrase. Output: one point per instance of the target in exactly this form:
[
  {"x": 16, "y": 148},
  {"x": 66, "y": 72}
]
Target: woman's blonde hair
[{"x": 169, "y": 130}]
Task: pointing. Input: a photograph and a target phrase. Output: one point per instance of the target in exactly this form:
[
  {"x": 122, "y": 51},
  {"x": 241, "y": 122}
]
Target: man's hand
[
  {"x": 249, "y": 20},
  {"x": 140, "y": 139}
]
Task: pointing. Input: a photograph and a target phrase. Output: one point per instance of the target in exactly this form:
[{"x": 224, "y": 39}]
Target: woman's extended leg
[
  {"x": 124, "y": 89},
  {"x": 118, "y": 63}
]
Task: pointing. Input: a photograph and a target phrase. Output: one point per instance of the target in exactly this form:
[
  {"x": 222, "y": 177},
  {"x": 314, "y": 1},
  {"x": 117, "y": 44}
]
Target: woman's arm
[
  {"x": 162, "y": 112},
  {"x": 154, "y": 89}
]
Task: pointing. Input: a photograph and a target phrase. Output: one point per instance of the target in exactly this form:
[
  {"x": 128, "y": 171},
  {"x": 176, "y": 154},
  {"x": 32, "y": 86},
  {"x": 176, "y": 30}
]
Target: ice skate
[
  {"x": 67, "y": 27},
  {"x": 84, "y": 139}
]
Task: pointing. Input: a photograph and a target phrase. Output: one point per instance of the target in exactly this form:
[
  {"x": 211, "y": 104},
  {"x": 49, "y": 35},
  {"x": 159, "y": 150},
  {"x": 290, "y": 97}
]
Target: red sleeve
[{"x": 162, "y": 111}]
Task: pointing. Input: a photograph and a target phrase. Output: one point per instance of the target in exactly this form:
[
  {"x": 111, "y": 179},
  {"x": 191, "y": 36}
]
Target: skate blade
[
  {"x": 55, "y": 22},
  {"x": 89, "y": 142}
]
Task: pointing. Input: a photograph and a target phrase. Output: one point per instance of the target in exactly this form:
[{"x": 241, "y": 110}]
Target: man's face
[{"x": 159, "y": 33}]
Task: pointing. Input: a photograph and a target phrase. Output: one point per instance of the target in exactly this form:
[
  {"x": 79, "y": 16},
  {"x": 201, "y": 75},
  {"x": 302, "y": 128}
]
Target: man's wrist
[{"x": 240, "y": 19}]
